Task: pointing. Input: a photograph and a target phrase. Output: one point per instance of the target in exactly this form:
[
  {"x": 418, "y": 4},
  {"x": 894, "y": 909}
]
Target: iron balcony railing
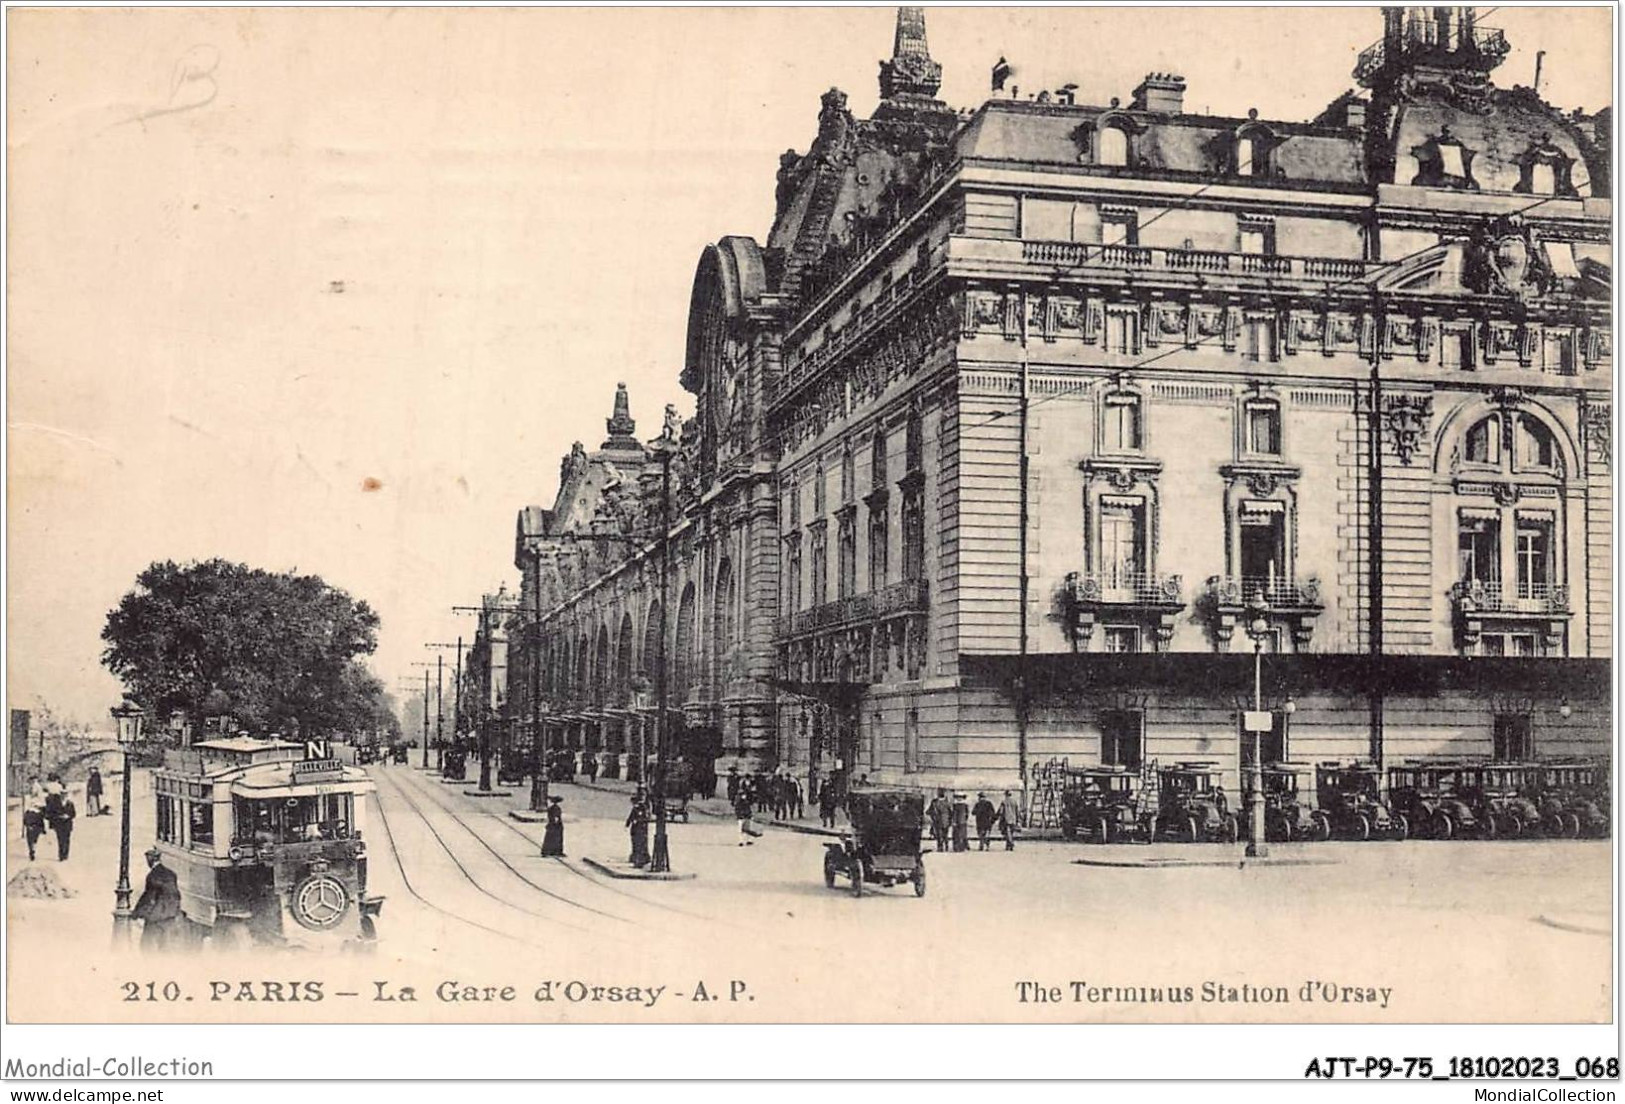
[
  {"x": 1127, "y": 587},
  {"x": 1424, "y": 34},
  {"x": 1158, "y": 258},
  {"x": 908, "y": 596},
  {"x": 1520, "y": 597},
  {"x": 1277, "y": 591}
]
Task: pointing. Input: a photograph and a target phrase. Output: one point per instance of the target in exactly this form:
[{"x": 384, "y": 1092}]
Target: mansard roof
[{"x": 1170, "y": 145}]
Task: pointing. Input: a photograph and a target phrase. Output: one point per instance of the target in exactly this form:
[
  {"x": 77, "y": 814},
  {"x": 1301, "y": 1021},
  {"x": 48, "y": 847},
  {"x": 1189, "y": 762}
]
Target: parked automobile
[
  {"x": 1574, "y": 799},
  {"x": 1502, "y": 797},
  {"x": 1100, "y": 804},
  {"x": 1350, "y": 795},
  {"x": 1191, "y": 805},
  {"x": 883, "y": 846},
  {"x": 1428, "y": 794},
  {"x": 1290, "y": 809}
]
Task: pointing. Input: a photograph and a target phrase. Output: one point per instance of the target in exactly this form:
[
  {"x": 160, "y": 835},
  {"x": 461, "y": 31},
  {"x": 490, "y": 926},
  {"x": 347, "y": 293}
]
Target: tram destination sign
[{"x": 317, "y": 770}]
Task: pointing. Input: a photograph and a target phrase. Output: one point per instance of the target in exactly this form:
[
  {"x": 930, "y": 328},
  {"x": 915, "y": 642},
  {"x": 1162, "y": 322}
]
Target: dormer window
[
  {"x": 1543, "y": 179},
  {"x": 1443, "y": 162},
  {"x": 1245, "y": 158},
  {"x": 1545, "y": 170},
  {"x": 1113, "y": 146}
]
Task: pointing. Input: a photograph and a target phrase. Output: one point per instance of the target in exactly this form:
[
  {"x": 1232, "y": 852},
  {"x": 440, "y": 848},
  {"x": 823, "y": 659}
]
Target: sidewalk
[{"x": 718, "y": 807}]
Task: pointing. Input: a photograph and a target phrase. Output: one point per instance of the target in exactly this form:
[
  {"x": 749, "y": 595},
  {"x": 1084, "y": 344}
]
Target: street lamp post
[
  {"x": 1258, "y": 628},
  {"x": 128, "y": 718},
  {"x": 660, "y": 861}
]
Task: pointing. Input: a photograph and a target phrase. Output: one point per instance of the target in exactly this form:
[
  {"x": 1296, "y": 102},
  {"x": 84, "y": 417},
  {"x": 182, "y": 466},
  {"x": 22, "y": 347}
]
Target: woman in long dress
[
  {"x": 553, "y": 838},
  {"x": 638, "y": 822}
]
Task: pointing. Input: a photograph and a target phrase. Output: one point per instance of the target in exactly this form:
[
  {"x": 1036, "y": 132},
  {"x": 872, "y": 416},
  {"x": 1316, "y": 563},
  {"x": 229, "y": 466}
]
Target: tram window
[
  {"x": 254, "y": 822},
  {"x": 166, "y": 818},
  {"x": 200, "y": 824}
]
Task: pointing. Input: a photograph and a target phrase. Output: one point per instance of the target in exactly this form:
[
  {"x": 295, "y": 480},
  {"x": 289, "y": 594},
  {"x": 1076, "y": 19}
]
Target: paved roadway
[{"x": 1486, "y": 931}]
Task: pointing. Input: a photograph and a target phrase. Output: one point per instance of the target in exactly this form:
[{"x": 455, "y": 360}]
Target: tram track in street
[
  {"x": 462, "y": 868},
  {"x": 406, "y": 880},
  {"x": 595, "y": 880},
  {"x": 517, "y": 873}
]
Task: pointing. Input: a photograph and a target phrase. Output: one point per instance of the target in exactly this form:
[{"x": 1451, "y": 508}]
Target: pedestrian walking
[
  {"x": 961, "y": 823},
  {"x": 733, "y": 783},
  {"x": 941, "y": 814},
  {"x": 1009, "y": 820},
  {"x": 159, "y": 908},
  {"x": 93, "y": 794},
  {"x": 827, "y": 800},
  {"x": 553, "y": 836},
  {"x": 798, "y": 803},
  {"x": 781, "y": 801},
  {"x": 742, "y": 810},
  {"x": 59, "y": 814},
  {"x": 592, "y": 769},
  {"x": 637, "y": 821},
  {"x": 33, "y": 827},
  {"x": 984, "y": 815}
]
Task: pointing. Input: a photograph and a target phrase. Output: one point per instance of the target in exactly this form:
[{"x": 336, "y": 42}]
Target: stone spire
[
  {"x": 622, "y": 429},
  {"x": 910, "y": 72}
]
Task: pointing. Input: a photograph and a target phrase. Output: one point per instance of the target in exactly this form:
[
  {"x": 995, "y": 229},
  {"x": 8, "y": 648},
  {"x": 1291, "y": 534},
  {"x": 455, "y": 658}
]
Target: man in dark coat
[
  {"x": 637, "y": 822},
  {"x": 93, "y": 793},
  {"x": 733, "y": 784},
  {"x": 59, "y": 814},
  {"x": 984, "y": 814},
  {"x": 941, "y": 814},
  {"x": 159, "y": 908},
  {"x": 827, "y": 800},
  {"x": 33, "y": 828},
  {"x": 961, "y": 823}
]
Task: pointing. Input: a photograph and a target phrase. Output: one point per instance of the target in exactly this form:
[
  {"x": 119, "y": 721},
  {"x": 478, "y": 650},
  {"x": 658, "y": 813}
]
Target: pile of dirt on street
[{"x": 37, "y": 881}]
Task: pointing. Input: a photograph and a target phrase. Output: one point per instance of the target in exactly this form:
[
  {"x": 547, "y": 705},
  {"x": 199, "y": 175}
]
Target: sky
[{"x": 334, "y": 289}]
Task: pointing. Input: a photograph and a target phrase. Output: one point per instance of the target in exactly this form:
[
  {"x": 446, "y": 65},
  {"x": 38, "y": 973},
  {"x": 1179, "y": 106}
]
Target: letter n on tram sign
[{"x": 318, "y": 749}]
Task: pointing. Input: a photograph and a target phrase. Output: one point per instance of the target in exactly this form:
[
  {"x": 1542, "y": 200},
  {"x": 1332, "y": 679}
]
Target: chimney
[{"x": 1160, "y": 92}]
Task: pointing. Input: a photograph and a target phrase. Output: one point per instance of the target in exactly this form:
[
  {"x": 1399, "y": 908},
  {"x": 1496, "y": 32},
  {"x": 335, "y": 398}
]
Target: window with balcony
[
  {"x": 1534, "y": 555},
  {"x": 1256, "y": 237},
  {"x": 1122, "y": 543},
  {"x": 1516, "y": 644},
  {"x": 879, "y": 540},
  {"x": 820, "y": 569},
  {"x": 1263, "y": 546},
  {"x": 1514, "y": 738},
  {"x": 792, "y": 579},
  {"x": 1478, "y": 544},
  {"x": 913, "y": 534},
  {"x": 1113, "y": 146},
  {"x": 846, "y": 555},
  {"x": 1120, "y": 428},
  {"x": 1119, "y": 226},
  {"x": 1122, "y": 738},
  {"x": 1263, "y": 429}
]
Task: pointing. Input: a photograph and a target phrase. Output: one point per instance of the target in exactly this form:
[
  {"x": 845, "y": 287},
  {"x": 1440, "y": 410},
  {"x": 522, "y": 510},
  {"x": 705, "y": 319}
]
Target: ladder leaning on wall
[{"x": 1048, "y": 782}]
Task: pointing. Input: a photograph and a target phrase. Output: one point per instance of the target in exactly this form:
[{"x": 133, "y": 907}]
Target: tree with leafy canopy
[{"x": 276, "y": 650}]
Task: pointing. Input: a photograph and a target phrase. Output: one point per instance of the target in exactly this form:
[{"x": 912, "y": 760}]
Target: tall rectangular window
[
  {"x": 1263, "y": 546},
  {"x": 1264, "y": 429},
  {"x": 1478, "y": 548},
  {"x": 1258, "y": 338},
  {"x": 847, "y": 556},
  {"x": 820, "y": 571},
  {"x": 1121, "y": 428},
  {"x": 1534, "y": 554},
  {"x": 1122, "y": 543},
  {"x": 911, "y": 741},
  {"x": 1122, "y": 738},
  {"x": 793, "y": 579},
  {"x": 1123, "y": 331},
  {"x": 1257, "y": 238},
  {"x": 913, "y": 535},
  {"x": 1514, "y": 737},
  {"x": 1559, "y": 352},
  {"x": 1119, "y": 226},
  {"x": 879, "y": 539}
]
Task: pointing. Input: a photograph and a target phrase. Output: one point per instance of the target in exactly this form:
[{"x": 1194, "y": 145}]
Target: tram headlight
[
  {"x": 236, "y": 853},
  {"x": 358, "y": 849}
]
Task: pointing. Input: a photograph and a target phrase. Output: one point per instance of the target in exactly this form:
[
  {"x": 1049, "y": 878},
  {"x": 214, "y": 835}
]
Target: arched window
[
  {"x": 1536, "y": 449},
  {"x": 653, "y": 653},
  {"x": 623, "y": 659},
  {"x": 1113, "y": 146},
  {"x": 685, "y": 669},
  {"x": 1483, "y": 444}
]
